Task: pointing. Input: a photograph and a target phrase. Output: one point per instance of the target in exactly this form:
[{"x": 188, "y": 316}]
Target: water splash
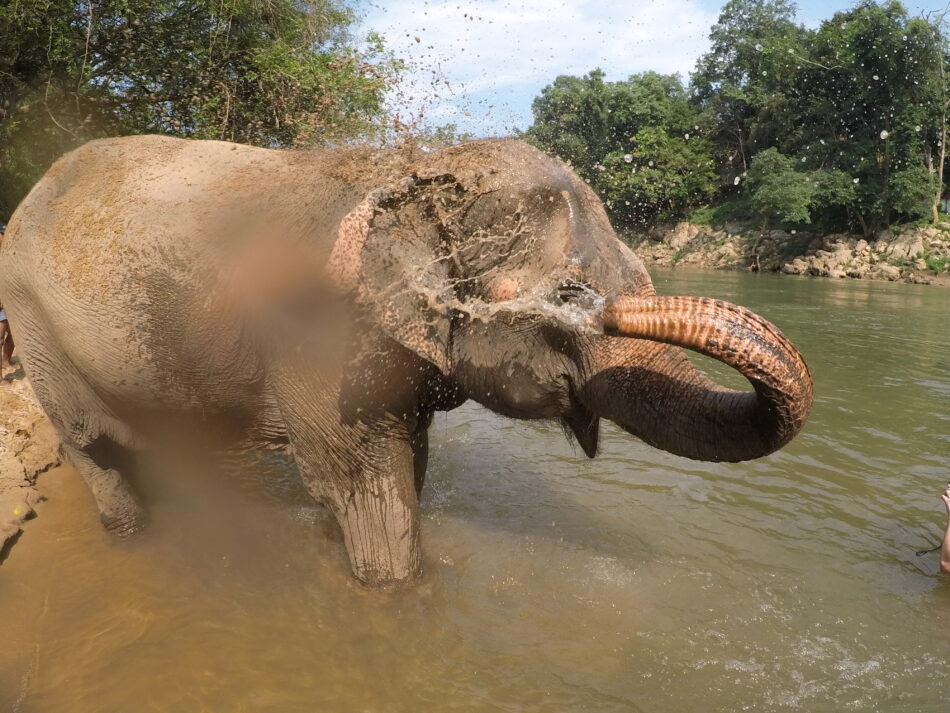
[{"x": 581, "y": 312}]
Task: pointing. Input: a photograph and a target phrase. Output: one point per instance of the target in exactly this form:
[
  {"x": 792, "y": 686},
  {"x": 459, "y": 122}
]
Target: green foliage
[
  {"x": 661, "y": 177},
  {"x": 863, "y": 97},
  {"x": 874, "y": 92},
  {"x": 844, "y": 124},
  {"x": 263, "y": 72},
  {"x": 735, "y": 207},
  {"x": 442, "y": 136},
  {"x": 833, "y": 188},
  {"x": 937, "y": 264},
  {"x": 704, "y": 215},
  {"x": 738, "y": 84},
  {"x": 910, "y": 191},
  {"x": 636, "y": 142},
  {"x": 777, "y": 190}
]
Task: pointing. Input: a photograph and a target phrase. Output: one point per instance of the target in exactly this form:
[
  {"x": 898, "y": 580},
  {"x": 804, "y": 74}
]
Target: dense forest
[{"x": 842, "y": 126}]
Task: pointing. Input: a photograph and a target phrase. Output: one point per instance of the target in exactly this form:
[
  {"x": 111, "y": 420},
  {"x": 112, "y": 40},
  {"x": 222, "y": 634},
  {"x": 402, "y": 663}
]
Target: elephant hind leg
[
  {"x": 120, "y": 511},
  {"x": 94, "y": 440}
]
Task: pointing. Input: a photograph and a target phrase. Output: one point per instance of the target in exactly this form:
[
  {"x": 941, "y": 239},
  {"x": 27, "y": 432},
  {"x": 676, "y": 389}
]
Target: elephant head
[{"x": 497, "y": 265}]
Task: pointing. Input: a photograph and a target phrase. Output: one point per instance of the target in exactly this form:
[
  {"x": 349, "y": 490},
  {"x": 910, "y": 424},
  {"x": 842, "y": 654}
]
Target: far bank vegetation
[{"x": 783, "y": 134}]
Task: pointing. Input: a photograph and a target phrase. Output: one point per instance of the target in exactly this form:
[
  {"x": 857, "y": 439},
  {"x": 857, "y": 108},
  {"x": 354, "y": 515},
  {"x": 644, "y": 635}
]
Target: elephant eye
[{"x": 569, "y": 290}]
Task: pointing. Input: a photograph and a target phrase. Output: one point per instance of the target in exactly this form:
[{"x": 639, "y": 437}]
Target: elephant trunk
[{"x": 652, "y": 391}]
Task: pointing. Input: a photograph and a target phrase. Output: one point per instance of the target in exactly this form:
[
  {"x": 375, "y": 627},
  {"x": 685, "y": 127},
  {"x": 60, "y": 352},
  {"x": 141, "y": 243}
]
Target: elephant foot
[
  {"x": 124, "y": 524},
  {"x": 120, "y": 512}
]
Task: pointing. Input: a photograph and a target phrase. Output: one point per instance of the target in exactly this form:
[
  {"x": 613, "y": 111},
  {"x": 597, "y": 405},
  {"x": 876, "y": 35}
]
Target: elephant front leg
[
  {"x": 366, "y": 476},
  {"x": 356, "y": 455},
  {"x": 379, "y": 517}
]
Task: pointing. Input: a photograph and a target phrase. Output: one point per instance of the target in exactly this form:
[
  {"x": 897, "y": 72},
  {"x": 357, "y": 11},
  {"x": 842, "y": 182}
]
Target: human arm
[{"x": 945, "y": 547}]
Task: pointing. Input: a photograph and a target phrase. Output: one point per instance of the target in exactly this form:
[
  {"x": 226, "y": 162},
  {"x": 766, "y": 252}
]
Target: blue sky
[{"x": 479, "y": 63}]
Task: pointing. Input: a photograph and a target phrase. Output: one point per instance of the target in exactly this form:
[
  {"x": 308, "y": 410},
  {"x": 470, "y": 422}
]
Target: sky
[{"x": 478, "y": 64}]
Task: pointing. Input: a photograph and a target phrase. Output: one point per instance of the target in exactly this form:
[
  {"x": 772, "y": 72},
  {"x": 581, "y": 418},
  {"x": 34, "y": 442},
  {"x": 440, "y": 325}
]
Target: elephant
[{"x": 330, "y": 301}]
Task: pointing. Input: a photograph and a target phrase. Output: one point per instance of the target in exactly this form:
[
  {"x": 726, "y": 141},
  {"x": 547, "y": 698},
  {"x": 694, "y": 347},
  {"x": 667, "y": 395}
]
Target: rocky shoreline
[
  {"x": 28, "y": 446},
  {"x": 919, "y": 255}
]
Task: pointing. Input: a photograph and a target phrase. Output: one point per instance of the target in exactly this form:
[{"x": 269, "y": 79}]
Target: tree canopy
[
  {"x": 850, "y": 117},
  {"x": 635, "y": 141},
  {"x": 263, "y": 72}
]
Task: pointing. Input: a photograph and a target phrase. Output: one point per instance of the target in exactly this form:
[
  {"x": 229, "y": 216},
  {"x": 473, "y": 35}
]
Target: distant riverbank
[{"x": 919, "y": 255}]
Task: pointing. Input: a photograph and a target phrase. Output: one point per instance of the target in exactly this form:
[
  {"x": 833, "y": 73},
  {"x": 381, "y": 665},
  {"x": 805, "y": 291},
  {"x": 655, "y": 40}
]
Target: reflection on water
[{"x": 638, "y": 581}]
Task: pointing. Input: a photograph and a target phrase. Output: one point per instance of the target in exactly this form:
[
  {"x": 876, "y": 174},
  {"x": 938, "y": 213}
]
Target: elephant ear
[{"x": 390, "y": 254}]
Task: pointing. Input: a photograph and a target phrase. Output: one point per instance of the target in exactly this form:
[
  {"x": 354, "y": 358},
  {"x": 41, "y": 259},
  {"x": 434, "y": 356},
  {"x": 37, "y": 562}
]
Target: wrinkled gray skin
[{"x": 335, "y": 300}]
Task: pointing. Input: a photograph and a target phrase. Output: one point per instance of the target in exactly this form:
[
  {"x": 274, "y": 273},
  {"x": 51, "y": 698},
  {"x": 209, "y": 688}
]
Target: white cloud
[{"x": 496, "y": 55}]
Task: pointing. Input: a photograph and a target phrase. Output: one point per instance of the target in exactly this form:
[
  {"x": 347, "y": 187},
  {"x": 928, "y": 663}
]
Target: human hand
[{"x": 945, "y": 496}]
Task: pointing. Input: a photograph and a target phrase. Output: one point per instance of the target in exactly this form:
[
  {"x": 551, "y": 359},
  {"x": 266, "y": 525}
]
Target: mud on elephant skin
[{"x": 334, "y": 300}]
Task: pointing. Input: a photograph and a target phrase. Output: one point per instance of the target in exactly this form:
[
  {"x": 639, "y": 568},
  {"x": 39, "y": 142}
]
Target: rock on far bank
[
  {"x": 907, "y": 255},
  {"x": 28, "y": 447}
]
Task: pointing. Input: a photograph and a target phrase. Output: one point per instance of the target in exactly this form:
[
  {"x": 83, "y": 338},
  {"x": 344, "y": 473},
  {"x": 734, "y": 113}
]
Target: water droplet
[
  {"x": 884, "y": 134},
  {"x": 875, "y": 77}
]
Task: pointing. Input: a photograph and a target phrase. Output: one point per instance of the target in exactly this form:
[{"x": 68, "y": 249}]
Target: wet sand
[{"x": 28, "y": 447}]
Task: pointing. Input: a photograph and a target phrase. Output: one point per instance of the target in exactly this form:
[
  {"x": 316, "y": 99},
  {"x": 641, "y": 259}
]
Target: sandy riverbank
[{"x": 28, "y": 447}]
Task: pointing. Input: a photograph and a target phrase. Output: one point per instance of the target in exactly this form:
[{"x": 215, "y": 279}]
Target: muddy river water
[{"x": 635, "y": 582}]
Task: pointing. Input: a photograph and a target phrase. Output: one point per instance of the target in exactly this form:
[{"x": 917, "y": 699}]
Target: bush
[{"x": 937, "y": 264}]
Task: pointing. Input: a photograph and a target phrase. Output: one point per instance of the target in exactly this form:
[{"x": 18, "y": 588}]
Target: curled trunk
[{"x": 652, "y": 390}]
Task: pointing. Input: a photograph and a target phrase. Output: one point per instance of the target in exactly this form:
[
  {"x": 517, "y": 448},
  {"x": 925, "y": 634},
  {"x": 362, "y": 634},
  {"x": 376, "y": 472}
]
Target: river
[{"x": 638, "y": 581}]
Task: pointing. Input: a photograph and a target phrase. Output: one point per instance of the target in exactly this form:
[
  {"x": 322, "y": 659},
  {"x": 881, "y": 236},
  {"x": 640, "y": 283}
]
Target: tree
[
  {"x": 834, "y": 197},
  {"x": 873, "y": 107},
  {"x": 438, "y": 137},
  {"x": 660, "y": 178},
  {"x": 778, "y": 191},
  {"x": 572, "y": 120},
  {"x": 739, "y": 83},
  {"x": 263, "y": 72},
  {"x": 941, "y": 97},
  {"x": 636, "y": 142},
  {"x": 911, "y": 191}
]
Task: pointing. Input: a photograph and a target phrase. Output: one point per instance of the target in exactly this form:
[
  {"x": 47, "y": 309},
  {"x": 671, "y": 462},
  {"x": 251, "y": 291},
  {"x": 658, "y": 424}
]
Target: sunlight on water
[{"x": 638, "y": 581}]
